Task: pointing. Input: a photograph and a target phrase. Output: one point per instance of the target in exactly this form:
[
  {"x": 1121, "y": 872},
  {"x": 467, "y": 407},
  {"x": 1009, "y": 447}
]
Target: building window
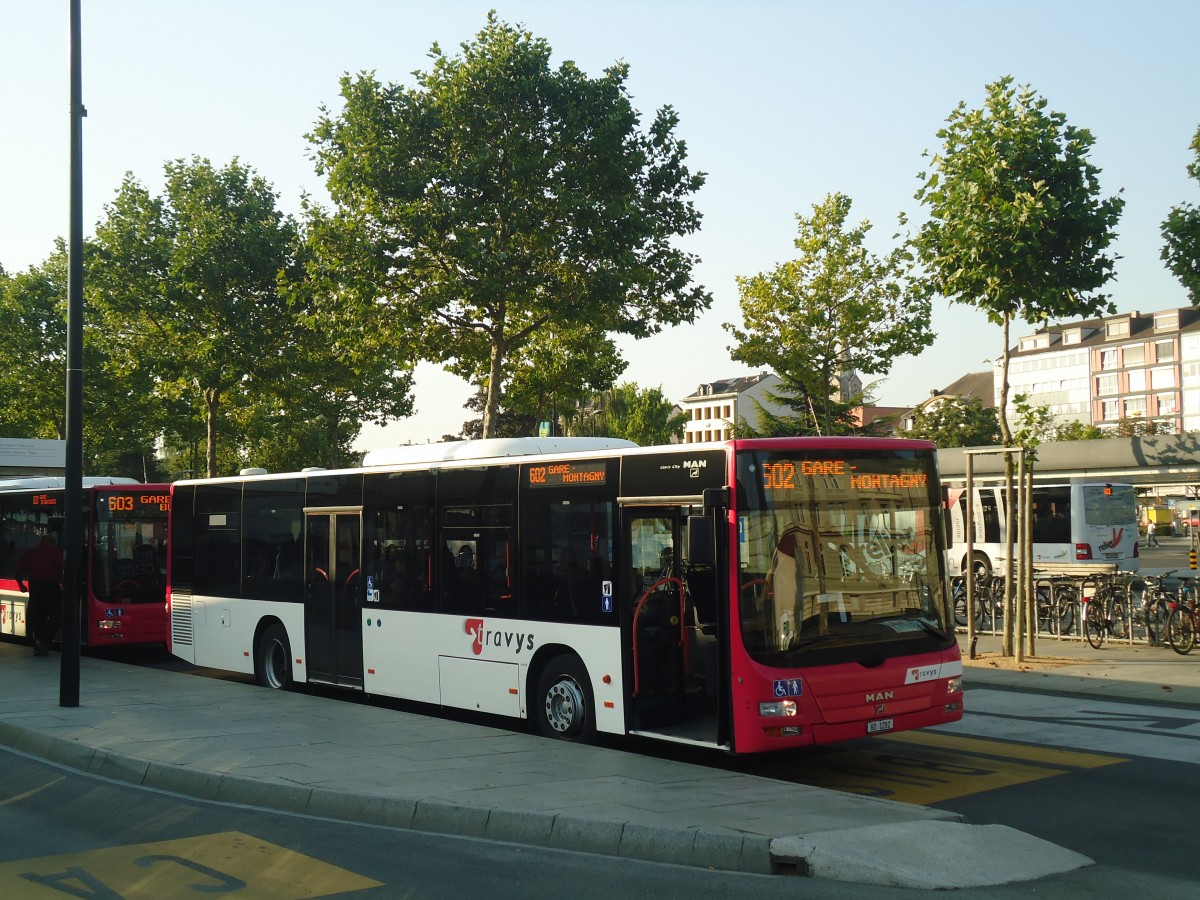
[
  {"x": 1137, "y": 380},
  {"x": 1167, "y": 405},
  {"x": 1116, "y": 329},
  {"x": 1164, "y": 351},
  {"x": 1135, "y": 406},
  {"x": 1110, "y": 410},
  {"x": 1165, "y": 321},
  {"x": 1162, "y": 378},
  {"x": 1135, "y": 355},
  {"x": 1108, "y": 359},
  {"x": 1106, "y": 384}
]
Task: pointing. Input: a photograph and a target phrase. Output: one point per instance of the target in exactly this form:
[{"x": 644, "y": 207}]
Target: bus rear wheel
[
  {"x": 565, "y": 708},
  {"x": 273, "y": 659}
]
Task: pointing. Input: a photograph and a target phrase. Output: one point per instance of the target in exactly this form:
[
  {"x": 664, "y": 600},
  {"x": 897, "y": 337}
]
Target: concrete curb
[
  {"x": 928, "y": 855},
  {"x": 707, "y": 848}
]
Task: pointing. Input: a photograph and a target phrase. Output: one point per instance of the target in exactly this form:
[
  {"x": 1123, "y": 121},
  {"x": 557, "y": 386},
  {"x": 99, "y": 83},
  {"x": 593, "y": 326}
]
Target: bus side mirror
[{"x": 698, "y": 548}]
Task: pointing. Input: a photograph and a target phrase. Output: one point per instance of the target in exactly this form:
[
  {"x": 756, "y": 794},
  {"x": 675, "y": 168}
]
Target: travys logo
[
  {"x": 1117, "y": 534},
  {"x": 482, "y": 636}
]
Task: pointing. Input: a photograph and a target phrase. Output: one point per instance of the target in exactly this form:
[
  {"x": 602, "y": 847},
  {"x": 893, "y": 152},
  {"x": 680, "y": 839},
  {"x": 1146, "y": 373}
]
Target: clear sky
[{"x": 780, "y": 103}]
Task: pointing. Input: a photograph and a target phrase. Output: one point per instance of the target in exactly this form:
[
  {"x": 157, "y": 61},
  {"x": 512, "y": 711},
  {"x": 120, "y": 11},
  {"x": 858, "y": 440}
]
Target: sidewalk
[
  {"x": 1118, "y": 671},
  {"x": 232, "y": 742}
]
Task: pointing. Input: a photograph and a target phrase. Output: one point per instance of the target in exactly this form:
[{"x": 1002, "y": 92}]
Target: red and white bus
[
  {"x": 752, "y": 595},
  {"x": 1070, "y": 523},
  {"x": 124, "y": 551}
]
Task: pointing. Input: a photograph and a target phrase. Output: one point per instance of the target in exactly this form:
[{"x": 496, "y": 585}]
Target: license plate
[{"x": 879, "y": 725}]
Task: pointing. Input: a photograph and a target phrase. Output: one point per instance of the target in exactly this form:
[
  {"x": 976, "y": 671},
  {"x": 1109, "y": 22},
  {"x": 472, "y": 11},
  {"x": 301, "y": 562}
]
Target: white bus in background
[{"x": 1082, "y": 522}]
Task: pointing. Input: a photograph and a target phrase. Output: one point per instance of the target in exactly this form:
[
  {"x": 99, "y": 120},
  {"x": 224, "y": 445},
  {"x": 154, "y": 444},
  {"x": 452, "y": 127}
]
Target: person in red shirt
[{"x": 39, "y": 573}]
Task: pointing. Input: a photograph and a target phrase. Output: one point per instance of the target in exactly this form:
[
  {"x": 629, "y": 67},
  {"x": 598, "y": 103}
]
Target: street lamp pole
[{"x": 68, "y": 689}]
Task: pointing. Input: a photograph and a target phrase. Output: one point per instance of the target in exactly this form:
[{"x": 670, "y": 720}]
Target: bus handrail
[{"x": 637, "y": 611}]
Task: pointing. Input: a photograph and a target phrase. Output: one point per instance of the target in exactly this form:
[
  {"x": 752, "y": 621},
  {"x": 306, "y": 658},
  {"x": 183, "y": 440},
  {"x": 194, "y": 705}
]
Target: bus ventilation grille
[{"x": 181, "y": 618}]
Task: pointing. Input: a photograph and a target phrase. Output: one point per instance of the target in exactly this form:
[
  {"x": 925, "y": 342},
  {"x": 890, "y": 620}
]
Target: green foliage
[
  {"x": 1181, "y": 235},
  {"x": 559, "y": 370},
  {"x": 643, "y": 415},
  {"x": 956, "y": 422},
  {"x": 1016, "y": 226},
  {"x": 1078, "y": 431},
  {"x": 499, "y": 200},
  {"x": 1137, "y": 427},
  {"x": 836, "y": 308},
  {"x": 188, "y": 286},
  {"x": 119, "y": 425},
  {"x": 1035, "y": 424},
  {"x": 629, "y": 412},
  {"x": 33, "y": 309}
]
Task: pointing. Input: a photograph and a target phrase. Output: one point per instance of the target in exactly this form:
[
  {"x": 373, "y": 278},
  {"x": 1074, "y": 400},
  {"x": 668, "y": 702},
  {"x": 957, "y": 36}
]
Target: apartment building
[
  {"x": 714, "y": 408},
  {"x": 1105, "y": 370}
]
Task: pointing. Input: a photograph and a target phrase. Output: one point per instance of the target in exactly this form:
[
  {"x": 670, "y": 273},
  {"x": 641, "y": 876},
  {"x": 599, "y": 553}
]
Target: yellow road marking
[
  {"x": 32, "y": 791},
  {"x": 926, "y": 768},
  {"x": 1075, "y": 759},
  {"x": 225, "y": 863}
]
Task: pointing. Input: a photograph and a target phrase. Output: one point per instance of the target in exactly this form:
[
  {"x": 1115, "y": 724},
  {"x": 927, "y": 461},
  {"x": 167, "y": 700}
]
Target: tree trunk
[
  {"x": 212, "y": 400},
  {"x": 1002, "y": 411},
  {"x": 491, "y": 408}
]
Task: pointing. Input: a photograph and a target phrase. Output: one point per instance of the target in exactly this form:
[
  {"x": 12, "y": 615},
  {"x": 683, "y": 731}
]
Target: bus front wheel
[
  {"x": 564, "y": 701},
  {"x": 273, "y": 659}
]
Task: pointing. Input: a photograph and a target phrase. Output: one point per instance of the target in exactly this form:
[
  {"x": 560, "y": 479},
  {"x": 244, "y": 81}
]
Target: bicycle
[
  {"x": 1056, "y": 600},
  {"x": 1157, "y": 599},
  {"x": 1182, "y": 623},
  {"x": 1105, "y": 613}
]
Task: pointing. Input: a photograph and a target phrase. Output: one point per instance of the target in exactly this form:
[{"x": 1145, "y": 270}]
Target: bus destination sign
[
  {"x": 788, "y": 475},
  {"x": 560, "y": 474},
  {"x": 136, "y": 503}
]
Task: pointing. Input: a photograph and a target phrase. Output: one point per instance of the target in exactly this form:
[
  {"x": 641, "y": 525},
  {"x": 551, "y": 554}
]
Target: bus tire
[
  {"x": 980, "y": 564},
  {"x": 273, "y": 659},
  {"x": 565, "y": 708}
]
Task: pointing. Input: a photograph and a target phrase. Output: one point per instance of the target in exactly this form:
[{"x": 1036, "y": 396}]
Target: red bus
[
  {"x": 124, "y": 549},
  {"x": 750, "y": 595}
]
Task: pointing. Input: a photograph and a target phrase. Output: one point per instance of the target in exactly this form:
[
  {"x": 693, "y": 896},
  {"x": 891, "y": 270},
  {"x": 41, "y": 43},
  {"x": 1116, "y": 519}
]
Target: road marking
[
  {"x": 1054, "y": 756},
  {"x": 926, "y": 768},
  {"x": 216, "y": 864}
]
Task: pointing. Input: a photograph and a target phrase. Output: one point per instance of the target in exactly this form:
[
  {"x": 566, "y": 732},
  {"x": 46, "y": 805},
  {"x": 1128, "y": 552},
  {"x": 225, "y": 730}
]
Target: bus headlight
[
  {"x": 108, "y": 624},
  {"x": 777, "y": 708},
  {"x": 954, "y": 685}
]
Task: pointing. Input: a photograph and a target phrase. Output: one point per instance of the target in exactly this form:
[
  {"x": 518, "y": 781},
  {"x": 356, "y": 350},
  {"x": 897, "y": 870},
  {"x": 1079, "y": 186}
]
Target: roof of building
[
  {"x": 1094, "y": 331},
  {"x": 981, "y": 385},
  {"x": 728, "y": 386}
]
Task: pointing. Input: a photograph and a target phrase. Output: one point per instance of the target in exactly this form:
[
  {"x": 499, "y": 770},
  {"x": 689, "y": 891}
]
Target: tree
[
  {"x": 561, "y": 369},
  {"x": 642, "y": 415},
  {"x": 632, "y": 413},
  {"x": 1016, "y": 227},
  {"x": 837, "y": 308},
  {"x": 956, "y": 422},
  {"x": 190, "y": 285},
  {"x": 119, "y": 424},
  {"x": 500, "y": 200},
  {"x": 33, "y": 309},
  {"x": 1181, "y": 235}
]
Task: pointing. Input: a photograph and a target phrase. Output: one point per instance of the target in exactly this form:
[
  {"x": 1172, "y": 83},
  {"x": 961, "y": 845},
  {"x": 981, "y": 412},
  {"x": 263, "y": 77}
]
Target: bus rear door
[{"x": 332, "y": 617}]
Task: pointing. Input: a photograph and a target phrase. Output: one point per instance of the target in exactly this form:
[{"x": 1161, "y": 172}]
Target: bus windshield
[
  {"x": 129, "y": 547},
  {"x": 838, "y": 549}
]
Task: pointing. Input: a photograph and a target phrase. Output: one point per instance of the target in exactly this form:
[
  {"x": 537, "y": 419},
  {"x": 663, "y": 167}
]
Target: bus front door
[
  {"x": 332, "y": 616},
  {"x": 673, "y": 630}
]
